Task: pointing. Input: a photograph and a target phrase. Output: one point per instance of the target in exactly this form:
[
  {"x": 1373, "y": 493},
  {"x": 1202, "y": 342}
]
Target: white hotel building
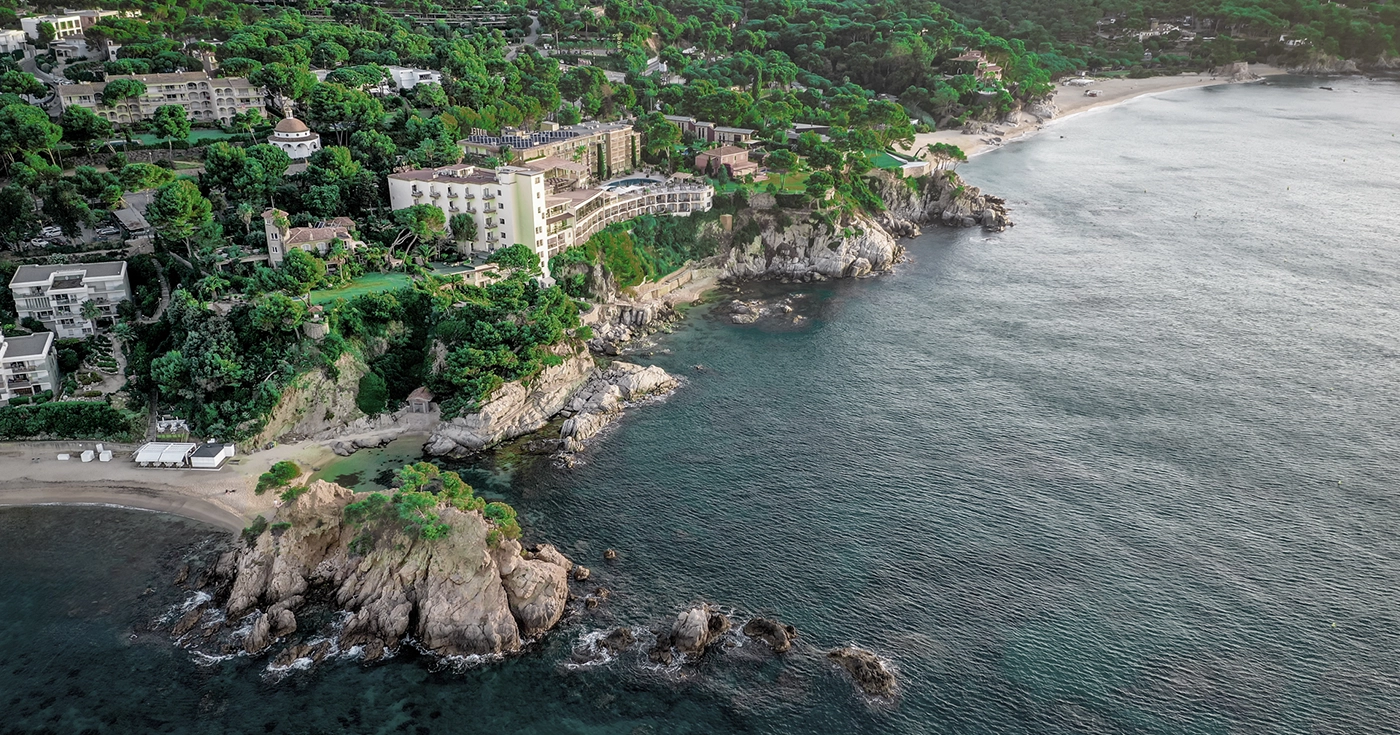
[
  {"x": 520, "y": 205},
  {"x": 55, "y": 294},
  {"x": 27, "y": 365}
]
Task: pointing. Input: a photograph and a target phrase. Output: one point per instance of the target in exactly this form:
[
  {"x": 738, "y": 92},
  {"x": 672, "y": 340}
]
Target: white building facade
[
  {"x": 28, "y": 365},
  {"x": 516, "y": 205},
  {"x": 508, "y": 203},
  {"x": 55, "y": 294},
  {"x": 204, "y": 98},
  {"x": 293, "y": 137},
  {"x": 12, "y": 41}
]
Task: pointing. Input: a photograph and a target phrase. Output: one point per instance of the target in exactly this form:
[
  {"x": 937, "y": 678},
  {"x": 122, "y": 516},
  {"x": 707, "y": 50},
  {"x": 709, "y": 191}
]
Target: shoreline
[
  {"x": 1071, "y": 101},
  {"x": 154, "y": 498}
]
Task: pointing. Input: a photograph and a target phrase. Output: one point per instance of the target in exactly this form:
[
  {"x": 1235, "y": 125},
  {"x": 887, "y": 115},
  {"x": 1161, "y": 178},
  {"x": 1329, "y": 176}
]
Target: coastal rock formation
[
  {"x": 314, "y": 403},
  {"x": 767, "y": 247},
  {"x": 1237, "y": 71},
  {"x": 693, "y": 631},
  {"x": 942, "y": 197},
  {"x": 514, "y": 409},
  {"x": 866, "y": 670},
  {"x": 454, "y": 595},
  {"x": 777, "y": 635},
  {"x": 1320, "y": 64},
  {"x": 599, "y": 402}
]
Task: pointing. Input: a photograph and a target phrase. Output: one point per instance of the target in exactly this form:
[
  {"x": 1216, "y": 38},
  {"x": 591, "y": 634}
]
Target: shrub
[
  {"x": 278, "y": 475},
  {"x": 373, "y": 394},
  {"x": 423, "y": 488},
  {"x": 67, "y": 420},
  {"x": 292, "y": 493},
  {"x": 253, "y": 531}
]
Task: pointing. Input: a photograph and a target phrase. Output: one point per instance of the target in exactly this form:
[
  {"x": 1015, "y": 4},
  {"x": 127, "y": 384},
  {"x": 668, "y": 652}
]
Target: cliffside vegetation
[{"x": 411, "y": 509}]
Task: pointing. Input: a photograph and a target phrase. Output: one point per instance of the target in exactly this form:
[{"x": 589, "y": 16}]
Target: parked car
[{"x": 51, "y": 231}]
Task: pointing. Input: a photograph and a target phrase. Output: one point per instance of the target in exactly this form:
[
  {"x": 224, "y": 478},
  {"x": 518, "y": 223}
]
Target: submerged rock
[
  {"x": 619, "y": 640},
  {"x": 866, "y": 670},
  {"x": 777, "y": 635}
]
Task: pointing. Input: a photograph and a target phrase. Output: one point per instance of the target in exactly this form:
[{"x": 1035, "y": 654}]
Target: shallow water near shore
[{"x": 1127, "y": 467}]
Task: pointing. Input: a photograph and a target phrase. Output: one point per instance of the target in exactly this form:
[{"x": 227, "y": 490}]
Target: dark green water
[{"x": 1128, "y": 467}]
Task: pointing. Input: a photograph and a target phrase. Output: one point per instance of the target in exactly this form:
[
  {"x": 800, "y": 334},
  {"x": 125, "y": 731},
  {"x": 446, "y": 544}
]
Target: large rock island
[{"x": 431, "y": 563}]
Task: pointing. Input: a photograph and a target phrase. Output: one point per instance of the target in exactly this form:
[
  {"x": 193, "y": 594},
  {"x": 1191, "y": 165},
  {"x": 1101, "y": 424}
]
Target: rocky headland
[{"x": 464, "y": 589}]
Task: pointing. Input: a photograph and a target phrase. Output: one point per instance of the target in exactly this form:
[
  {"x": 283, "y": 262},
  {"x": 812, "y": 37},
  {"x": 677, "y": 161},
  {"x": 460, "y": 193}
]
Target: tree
[
  {"x": 304, "y": 269},
  {"x": 373, "y": 394},
  {"x": 819, "y": 184},
  {"x": 47, "y": 33},
  {"x": 19, "y": 220},
  {"x": 375, "y": 150},
  {"x": 140, "y": 176},
  {"x": 782, "y": 160},
  {"x": 15, "y": 81},
  {"x": 171, "y": 122},
  {"x": 248, "y": 121},
  {"x": 463, "y": 227},
  {"x": 27, "y": 129},
  {"x": 277, "y": 312},
  {"x": 516, "y": 256},
  {"x": 659, "y": 136},
  {"x": 568, "y": 115},
  {"x": 178, "y": 211},
  {"x": 420, "y": 222},
  {"x": 120, "y": 90},
  {"x": 946, "y": 152},
  {"x": 430, "y": 96},
  {"x": 212, "y": 285},
  {"x": 90, "y": 311},
  {"x": 82, "y": 126},
  {"x": 286, "y": 83}
]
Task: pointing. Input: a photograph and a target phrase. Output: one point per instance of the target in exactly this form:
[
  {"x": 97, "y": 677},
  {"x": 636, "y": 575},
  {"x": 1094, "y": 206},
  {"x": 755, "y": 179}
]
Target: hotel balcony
[
  {"x": 436, "y": 195},
  {"x": 451, "y": 194},
  {"x": 417, "y": 193}
]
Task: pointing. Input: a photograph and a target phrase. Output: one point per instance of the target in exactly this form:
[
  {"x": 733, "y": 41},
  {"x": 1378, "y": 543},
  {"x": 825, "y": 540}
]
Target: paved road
[{"x": 530, "y": 38}]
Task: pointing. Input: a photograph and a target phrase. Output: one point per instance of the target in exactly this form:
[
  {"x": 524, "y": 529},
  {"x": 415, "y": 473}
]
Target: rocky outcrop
[
  {"x": 455, "y": 595},
  {"x": 939, "y": 198},
  {"x": 691, "y": 633},
  {"x": 866, "y": 670},
  {"x": 315, "y": 402},
  {"x": 766, "y": 247},
  {"x": 778, "y": 636},
  {"x": 1237, "y": 71},
  {"x": 515, "y": 409},
  {"x": 1320, "y": 64},
  {"x": 599, "y": 402}
]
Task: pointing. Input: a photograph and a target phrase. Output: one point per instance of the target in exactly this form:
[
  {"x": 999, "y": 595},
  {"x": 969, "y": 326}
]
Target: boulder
[
  {"x": 866, "y": 670},
  {"x": 697, "y": 628},
  {"x": 260, "y": 636},
  {"x": 777, "y": 635},
  {"x": 617, "y": 641}
]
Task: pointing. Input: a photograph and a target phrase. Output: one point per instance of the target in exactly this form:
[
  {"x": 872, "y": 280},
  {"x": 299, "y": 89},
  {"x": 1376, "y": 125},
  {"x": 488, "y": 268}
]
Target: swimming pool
[{"x": 633, "y": 182}]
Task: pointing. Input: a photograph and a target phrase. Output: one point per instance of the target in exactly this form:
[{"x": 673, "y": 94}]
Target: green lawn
[
  {"x": 882, "y": 159},
  {"x": 793, "y": 182},
  {"x": 368, "y": 283}
]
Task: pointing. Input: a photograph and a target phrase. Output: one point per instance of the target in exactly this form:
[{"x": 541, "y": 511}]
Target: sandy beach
[
  {"x": 1072, "y": 100},
  {"x": 33, "y": 475}
]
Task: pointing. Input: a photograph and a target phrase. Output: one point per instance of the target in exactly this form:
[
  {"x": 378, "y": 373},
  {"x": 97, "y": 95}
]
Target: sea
[{"x": 1128, "y": 467}]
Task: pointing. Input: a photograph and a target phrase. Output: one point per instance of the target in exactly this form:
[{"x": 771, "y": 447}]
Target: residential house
[
  {"x": 55, "y": 294},
  {"x": 12, "y": 41},
  {"x": 732, "y": 158},
  {"x": 976, "y": 63},
  {"x": 282, "y": 237},
  {"x": 712, "y": 132},
  {"x": 28, "y": 365}
]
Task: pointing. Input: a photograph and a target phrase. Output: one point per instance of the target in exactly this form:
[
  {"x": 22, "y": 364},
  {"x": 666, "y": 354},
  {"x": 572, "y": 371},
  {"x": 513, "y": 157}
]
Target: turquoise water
[{"x": 1127, "y": 467}]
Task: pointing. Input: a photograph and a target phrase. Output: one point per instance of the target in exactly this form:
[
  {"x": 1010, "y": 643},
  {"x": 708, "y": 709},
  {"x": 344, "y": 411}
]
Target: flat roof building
[
  {"x": 27, "y": 365},
  {"x": 606, "y": 149},
  {"x": 55, "y": 294}
]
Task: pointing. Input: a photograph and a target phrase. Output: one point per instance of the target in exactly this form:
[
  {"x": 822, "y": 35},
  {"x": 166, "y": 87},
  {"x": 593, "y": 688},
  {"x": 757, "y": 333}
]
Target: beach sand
[
  {"x": 1072, "y": 101},
  {"x": 34, "y": 476}
]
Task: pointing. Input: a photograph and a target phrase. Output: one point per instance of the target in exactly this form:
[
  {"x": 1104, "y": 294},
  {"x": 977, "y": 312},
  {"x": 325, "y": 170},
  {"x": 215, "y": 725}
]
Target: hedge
[{"x": 68, "y": 420}]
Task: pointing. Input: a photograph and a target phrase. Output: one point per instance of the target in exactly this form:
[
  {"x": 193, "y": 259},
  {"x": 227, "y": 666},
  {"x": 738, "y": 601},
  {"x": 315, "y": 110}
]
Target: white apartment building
[
  {"x": 55, "y": 294},
  {"x": 508, "y": 203},
  {"x": 516, "y": 205},
  {"x": 403, "y": 77},
  {"x": 204, "y": 98},
  {"x": 12, "y": 41},
  {"x": 28, "y": 365},
  {"x": 63, "y": 25}
]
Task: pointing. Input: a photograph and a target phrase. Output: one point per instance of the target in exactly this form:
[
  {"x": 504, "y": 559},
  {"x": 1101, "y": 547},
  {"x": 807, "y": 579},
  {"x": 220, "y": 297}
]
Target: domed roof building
[{"x": 292, "y": 136}]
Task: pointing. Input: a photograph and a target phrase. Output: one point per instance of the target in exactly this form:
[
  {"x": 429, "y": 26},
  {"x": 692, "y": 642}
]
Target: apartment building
[
  {"x": 508, "y": 202},
  {"x": 28, "y": 365},
  {"x": 205, "y": 98},
  {"x": 71, "y": 22},
  {"x": 607, "y": 149},
  {"x": 517, "y": 204},
  {"x": 12, "y": 41},
  {"x": 712, "y": 132},
  {"x": 55, "y": 294}
]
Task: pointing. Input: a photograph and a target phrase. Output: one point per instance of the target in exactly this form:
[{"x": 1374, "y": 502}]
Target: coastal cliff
[
  {"x": 466, "y": 592},
  {"x": 769, "y": 245},
  {"x": 939, "y": 198}
]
